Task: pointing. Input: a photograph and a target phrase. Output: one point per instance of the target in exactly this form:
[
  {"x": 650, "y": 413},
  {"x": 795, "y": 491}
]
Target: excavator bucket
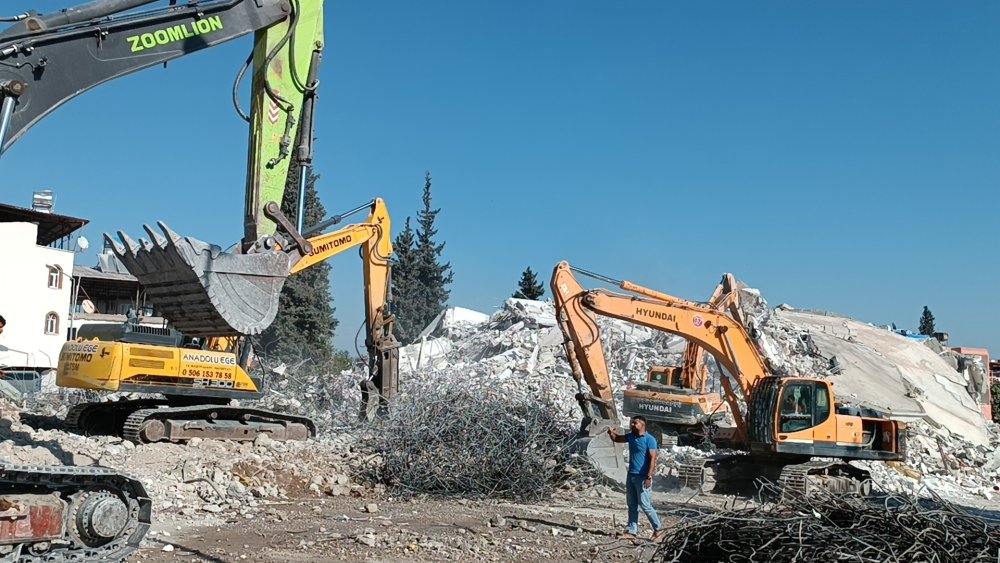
[
  {"x": 605, "y": 455},
  {"x": 199, "y": 288}
]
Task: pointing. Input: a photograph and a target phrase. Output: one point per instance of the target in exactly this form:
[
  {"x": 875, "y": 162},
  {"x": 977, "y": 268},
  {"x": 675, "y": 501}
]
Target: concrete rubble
[
  {"x": 518, "y": 351},
  {"x": 198, "y": 480},
  {"x": 952, "y": 449}
]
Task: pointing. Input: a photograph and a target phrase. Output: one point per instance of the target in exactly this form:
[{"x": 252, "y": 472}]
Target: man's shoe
[
  {"x": 657, "y": 534},
  {"x": 628, "y": 536}
]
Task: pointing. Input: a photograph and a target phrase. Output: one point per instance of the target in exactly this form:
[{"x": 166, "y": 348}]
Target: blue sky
[{"x": 841, "y": 156}]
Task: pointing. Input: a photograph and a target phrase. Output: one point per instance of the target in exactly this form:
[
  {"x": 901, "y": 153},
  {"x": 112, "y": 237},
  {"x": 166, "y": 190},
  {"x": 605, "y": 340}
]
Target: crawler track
[{"x": 103, "y": 515}]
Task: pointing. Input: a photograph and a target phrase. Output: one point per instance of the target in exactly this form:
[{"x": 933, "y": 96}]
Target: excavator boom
[{"x": 46, "y": 60}]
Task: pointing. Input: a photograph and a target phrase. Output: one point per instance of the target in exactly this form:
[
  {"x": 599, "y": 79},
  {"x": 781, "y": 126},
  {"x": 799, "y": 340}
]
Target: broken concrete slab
[{"x": 873, "y": 367}]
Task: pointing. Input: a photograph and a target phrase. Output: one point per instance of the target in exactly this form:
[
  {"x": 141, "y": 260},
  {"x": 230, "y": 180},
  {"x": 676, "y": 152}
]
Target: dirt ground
[{"x": 573, "y": 527}]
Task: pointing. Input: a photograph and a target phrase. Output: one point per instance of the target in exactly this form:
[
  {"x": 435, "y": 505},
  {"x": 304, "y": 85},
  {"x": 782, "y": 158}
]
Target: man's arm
[
  {"x": 616, "y": 437},
  {"x": 653, "y": 453}
]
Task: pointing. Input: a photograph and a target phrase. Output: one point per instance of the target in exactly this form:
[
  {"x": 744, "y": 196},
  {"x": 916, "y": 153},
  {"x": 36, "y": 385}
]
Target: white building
[{"x": 36, "y": 286}]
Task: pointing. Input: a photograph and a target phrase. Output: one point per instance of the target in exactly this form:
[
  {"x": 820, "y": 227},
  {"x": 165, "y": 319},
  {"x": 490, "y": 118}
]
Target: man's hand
[{"x": 648, "y": 483}]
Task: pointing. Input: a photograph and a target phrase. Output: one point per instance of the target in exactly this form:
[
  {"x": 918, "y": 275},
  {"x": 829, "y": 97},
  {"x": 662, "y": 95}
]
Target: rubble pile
[
  {"x": 519, "y": 349},
  {"x": 475, "y": 372},
  {"x": 829, "y": 527},
  {"x": 869, "y": 366},
  {"x": 329, "y": 397},
  {"x": 950, "y": 446},
  {"x": 201, "y": 478}
]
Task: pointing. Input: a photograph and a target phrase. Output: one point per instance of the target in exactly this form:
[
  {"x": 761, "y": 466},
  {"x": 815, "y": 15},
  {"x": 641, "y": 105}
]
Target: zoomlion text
[{"x": 176, "y": 33}]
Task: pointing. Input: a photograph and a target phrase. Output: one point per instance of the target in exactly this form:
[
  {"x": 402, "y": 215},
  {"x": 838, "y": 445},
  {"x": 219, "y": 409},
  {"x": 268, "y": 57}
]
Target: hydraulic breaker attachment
[{"x": 203, "y": 290}]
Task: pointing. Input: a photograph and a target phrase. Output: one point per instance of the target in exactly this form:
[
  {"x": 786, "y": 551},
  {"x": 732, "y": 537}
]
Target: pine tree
[
  {"x": 927, "y": 322},
  {"x": 404, "y": 274},
  {"x": 529, "y": 287},
  {"x": 419, "y": 282},
  {"x": 431, "y": 291},
  {"x": 305, "y": 324}
]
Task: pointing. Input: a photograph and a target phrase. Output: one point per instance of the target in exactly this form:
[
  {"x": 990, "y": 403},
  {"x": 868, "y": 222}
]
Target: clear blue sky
[{"x": 837, "y": 155}]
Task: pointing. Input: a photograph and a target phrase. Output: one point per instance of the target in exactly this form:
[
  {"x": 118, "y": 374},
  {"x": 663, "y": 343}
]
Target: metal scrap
[{"x": 829, "y": 527}]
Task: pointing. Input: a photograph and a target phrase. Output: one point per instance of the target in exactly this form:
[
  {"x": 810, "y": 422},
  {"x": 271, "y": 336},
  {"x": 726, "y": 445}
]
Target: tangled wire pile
[
  {"x": 473, "y": 443},
  {"x": 827, "y": 527}
]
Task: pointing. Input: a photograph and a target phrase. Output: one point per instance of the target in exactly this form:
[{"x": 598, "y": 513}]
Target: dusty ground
[{"x": 579, "y": 527}]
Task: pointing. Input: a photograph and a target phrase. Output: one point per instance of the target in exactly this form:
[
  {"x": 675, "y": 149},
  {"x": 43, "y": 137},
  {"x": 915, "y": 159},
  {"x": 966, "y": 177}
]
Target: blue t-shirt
[{"x": 638, "y": 452}]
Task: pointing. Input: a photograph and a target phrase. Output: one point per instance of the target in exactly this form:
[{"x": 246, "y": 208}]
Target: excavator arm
[
  {"x": 694, "y": 372},
  {"x": 373, "y": 238},
  {"x": 46, "y": 60},
  {"x": 710, "y": 329}
]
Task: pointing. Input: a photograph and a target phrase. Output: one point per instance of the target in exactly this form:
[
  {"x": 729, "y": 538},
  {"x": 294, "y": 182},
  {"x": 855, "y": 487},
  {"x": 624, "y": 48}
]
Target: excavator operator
[{"x": 796, "y": 410}]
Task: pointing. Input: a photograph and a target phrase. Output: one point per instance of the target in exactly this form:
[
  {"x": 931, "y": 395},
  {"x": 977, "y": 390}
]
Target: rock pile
[{"x": 201, "y": 478}]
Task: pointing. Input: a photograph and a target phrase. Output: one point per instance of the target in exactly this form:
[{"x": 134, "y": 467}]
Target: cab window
[
  {"x": 796, "y": 412},
  {"x": 822, "y": 403}
]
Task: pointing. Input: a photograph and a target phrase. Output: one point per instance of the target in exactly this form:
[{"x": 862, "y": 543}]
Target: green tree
[
  {"x": 420, "y": 281},
  {"x": 305, "y": 324},
  {"x": 433, "y": 277},
  {"x": 404, "y": 277},
  {"x": 927, "y": 322},
  {"x": 529, "y": 287}
]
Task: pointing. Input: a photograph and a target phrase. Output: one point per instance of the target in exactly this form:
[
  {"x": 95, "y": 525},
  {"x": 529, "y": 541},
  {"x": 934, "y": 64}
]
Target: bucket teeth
[
  {"x": 155, "y": 236},
  {"x": 117, "y": 248},
  {"x": 199, "y": 288}
]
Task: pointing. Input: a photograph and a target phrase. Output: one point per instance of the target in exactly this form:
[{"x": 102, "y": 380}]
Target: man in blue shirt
[{"x": 642, "y": 450}]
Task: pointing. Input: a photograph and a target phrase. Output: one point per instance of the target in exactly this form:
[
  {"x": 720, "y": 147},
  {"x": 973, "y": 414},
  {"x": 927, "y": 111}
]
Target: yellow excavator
[
  {"x": 57, "y": 514},
  {"x": 786, "y": 423},
  {"x": 198, "y": 377}
]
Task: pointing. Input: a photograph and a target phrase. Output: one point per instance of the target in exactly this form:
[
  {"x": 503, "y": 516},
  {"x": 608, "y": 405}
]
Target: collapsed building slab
[{"x": 869, "y": 366}]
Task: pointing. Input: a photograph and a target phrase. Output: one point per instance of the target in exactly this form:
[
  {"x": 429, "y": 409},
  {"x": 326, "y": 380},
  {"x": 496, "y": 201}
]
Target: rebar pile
[
  {"x": 826, "y": 527},
  {"x": 473, "y": 443}
]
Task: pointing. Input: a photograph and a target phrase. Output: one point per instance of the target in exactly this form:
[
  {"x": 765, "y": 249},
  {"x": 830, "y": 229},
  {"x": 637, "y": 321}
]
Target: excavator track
[
  {"x": 218, "y": 422},
  {"x": 55, "y": 514},
  {"x": 697, "y": 474},
  {"x": 832, "y": 476},
  {"x": 105, "y": 418}
]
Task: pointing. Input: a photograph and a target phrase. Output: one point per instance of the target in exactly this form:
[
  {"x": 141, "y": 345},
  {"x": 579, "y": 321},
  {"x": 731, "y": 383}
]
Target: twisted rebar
[
  {"x": 828, "y": 527},
  {"x": 478, "y": 443}
]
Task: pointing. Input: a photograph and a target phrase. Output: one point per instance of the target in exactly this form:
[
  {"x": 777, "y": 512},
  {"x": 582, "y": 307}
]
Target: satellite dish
[
  {"x": 88, "y": 306},
  {"x": 82, "y": 243}
]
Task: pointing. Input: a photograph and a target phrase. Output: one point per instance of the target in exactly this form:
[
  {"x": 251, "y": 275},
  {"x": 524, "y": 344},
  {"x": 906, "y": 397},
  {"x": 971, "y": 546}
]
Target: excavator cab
[
  {"x": 796, "y": 416},
  {"x": 665, "y": 375}
]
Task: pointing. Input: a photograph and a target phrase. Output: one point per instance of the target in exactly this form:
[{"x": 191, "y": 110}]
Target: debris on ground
[
  {"x": 500, "y": 385},
  {"x": 830, "y": 527}
]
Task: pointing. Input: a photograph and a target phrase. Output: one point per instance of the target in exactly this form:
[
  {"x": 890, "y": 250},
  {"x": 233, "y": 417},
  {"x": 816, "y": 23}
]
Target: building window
[
  {"x": 55, "y": 277},
  {"x": 51, "y": 323}
]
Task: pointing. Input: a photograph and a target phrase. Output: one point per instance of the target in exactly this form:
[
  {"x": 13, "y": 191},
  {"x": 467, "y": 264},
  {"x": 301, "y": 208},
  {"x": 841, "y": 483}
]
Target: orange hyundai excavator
[
  {"x": 675, "y": 400},
  {"x": 788, "y": 420}
]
